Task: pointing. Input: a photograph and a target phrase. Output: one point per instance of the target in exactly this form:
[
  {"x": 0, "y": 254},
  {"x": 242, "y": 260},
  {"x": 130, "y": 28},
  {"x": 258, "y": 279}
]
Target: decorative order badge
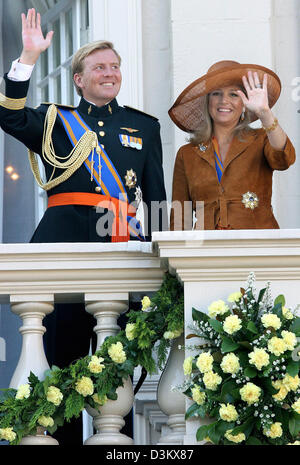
[
  {"x": 130, "y": 178},
  {"x": 250, "y": 200}
]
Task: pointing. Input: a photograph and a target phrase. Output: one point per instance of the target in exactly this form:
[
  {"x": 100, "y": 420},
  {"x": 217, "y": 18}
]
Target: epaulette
[
  {"x": 140, "y": 111},
  {"x": 60, "y": 105}
]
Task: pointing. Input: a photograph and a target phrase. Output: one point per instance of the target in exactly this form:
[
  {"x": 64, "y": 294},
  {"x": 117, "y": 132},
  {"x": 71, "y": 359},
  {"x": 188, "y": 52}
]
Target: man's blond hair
[{"x": 85, "y": 51}]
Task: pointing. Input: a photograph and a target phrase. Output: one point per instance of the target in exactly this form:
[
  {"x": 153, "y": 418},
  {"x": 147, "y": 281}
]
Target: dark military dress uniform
[{"x": 77, "y": 223}]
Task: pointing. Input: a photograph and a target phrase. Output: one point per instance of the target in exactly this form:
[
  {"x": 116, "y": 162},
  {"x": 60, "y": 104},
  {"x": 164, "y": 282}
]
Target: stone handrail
[
  {"x": 33, "y": 277},
  {"x": 210, "y": 264}
]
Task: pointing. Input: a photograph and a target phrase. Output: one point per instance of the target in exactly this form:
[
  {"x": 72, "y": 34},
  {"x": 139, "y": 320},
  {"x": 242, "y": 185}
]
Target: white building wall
[
  {"x": 1, "y": 132},
  {"x": 286, "y": 46}
]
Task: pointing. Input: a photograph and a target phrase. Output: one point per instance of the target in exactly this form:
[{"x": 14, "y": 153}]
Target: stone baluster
[
  {"x": 108, "y": 420},
  {"x": 32, "y": 310},
  {"x": 173, "y": 403}
]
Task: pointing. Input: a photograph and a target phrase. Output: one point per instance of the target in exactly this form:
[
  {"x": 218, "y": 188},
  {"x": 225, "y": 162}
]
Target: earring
[{"x": 243, "y": 115}]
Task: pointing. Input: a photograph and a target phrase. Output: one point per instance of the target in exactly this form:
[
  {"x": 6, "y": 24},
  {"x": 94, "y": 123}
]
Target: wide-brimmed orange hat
[{"x": 188, "y": 110}]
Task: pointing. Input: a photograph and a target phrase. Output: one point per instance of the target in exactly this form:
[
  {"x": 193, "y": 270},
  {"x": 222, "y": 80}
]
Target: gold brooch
[
  {"x": 250, "y": 200},
  {"x": 130, "y": 178}
]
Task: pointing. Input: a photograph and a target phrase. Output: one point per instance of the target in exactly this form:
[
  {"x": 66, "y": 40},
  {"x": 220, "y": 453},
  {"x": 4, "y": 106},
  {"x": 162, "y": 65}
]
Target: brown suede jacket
[{"x": 248, "y": 167}]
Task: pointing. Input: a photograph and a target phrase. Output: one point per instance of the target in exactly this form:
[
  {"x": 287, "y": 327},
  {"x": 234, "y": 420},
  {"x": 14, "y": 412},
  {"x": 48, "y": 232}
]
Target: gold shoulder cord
[{"x": 71, "y": 163}]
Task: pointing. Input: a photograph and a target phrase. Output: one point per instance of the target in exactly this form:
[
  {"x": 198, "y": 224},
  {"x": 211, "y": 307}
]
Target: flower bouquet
[{"x": 245, "y": 375}]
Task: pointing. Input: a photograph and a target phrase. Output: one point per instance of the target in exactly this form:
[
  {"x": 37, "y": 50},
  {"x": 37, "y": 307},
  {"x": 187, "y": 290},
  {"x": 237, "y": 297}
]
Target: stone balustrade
[
  {"x": 35, "y": 276},
  {"x": 210, "y": 264}
]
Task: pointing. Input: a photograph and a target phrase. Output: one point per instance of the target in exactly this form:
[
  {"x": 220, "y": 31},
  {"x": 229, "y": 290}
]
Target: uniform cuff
[{"x": 20, "y": 71}]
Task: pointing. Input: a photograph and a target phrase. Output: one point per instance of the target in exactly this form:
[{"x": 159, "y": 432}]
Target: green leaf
[
  {"x": 216, "y": 325},
  {"x": 206, "y": 431},
  {"x": 292, "y": 368},
  {"x": 227, "y": 388},
  {"x": 266, "y": 383},
  {"x": 199, "y": 316},
  {"x": 74, "y": 405},
  {"x": 213, "y": 433},
  {"x": 195, "y": 410},
  {"x": 252, "y": 441},
  {"x": 252, "y": 328},
  {"x": 112, "y": 395},
  {"x": 261, "y": 294},
  {"x": 223, "y": 426},
  {"x": 295, "y": 327},
  {"x": 250, "y": 372},
  {"x": 245, "y": 344},
  {"x": 202, "y": 432},
  {"x": 228, "y": 345},
  {"x": 277, "y": 309},
  {"x": 280, "y": 300},
  {"x": 33, "y": 380},
  {"x": 245, "y": 428},
  {"x": 294, "y": 424}
]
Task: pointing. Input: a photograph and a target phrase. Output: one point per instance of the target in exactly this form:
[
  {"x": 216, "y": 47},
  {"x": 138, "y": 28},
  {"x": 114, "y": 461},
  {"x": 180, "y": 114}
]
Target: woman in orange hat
[{"x": 227, "y": 166}]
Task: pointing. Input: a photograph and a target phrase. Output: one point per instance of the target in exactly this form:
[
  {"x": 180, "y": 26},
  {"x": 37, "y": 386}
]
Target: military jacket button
[
  {"x": 102, "y": 133},
  {"x": 100, "y": 123}
]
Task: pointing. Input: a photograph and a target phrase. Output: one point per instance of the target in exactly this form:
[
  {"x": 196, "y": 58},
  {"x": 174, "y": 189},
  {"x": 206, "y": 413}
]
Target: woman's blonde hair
[
  {"x": 205, "y": 132},
  {"x": 86, "y": 50}
]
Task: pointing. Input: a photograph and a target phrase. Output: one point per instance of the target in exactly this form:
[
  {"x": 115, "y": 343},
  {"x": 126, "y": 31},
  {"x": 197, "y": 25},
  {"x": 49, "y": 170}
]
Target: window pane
[
  {"x": 56, "y": 44},
  {"x": 44, "y": 59},
  {"x": 70, "y": 88},
  {"x": 45, "y": 94},
  {"x": 84, "y": 21},
  {"x": 57, "y": 89},
  {"x": 44, "y": 64},
  {"x": 69, "y": 34}
]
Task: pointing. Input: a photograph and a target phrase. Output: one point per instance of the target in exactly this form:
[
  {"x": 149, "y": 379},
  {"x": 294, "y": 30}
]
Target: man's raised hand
[{"x": 34, "y": 42}]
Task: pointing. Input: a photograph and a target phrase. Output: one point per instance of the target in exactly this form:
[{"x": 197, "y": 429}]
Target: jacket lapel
[
  {"x": 237, "y": 147},
  {"x": 208, "y": 155}
]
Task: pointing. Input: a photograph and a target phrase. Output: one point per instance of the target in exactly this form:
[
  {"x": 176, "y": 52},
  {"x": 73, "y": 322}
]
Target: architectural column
[
  {"x": 172, "y": 403},
  {"x": 31, "y": 309},
  {"x": 120, "y": 21},
  {"x": 108, "y": 420}
]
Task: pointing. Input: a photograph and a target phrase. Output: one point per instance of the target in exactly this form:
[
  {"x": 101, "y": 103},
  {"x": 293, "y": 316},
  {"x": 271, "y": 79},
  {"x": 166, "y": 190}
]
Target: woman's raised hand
[
  {"x": 256, "y": 100},
  {"x": 34, "y": 42}
]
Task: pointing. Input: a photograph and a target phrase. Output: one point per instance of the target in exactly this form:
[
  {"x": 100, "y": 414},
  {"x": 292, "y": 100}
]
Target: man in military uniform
[{"x": 96, "y": 154}]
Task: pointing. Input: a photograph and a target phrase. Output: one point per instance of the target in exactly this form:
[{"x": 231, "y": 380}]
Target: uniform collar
[{"x": 98, "y": 112}]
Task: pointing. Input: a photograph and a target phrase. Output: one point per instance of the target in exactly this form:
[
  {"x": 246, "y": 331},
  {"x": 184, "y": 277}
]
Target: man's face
[{"x": 101, "y": 78}]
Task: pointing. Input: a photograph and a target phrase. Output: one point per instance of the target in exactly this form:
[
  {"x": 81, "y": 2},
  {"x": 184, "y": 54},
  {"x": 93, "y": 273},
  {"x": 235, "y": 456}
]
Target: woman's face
[{"x": 225, "y": 106}]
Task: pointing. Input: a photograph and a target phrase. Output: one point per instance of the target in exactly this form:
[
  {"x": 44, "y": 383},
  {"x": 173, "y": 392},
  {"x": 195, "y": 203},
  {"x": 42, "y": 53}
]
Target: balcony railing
[{"x": 210, "y": 264}]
